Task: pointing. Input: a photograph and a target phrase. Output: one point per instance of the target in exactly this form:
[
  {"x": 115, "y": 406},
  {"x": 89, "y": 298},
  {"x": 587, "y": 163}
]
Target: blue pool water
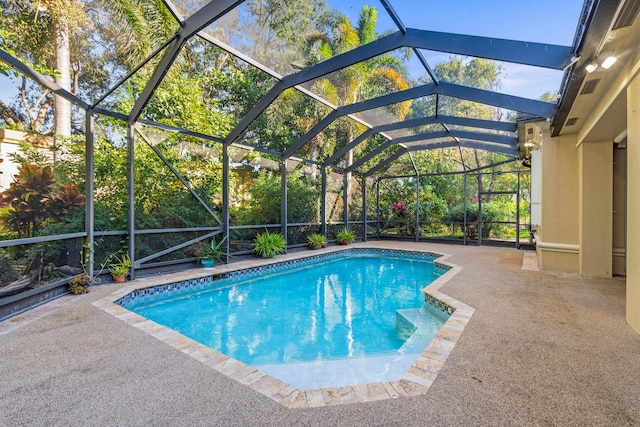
[{"x": 361, "y": 316}]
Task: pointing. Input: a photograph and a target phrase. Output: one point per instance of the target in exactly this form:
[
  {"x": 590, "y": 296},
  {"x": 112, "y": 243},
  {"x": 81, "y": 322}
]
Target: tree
[{"x": 365, "y": 80}]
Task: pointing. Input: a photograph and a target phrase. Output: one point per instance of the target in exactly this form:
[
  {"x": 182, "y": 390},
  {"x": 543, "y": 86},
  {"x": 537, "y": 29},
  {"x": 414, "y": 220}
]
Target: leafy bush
[
  {"x": 489, "y": 215},
  {"x": 316, "y": 241},
  {"x": 345, "y": 236},
  {"x": 268, "y": 245}
]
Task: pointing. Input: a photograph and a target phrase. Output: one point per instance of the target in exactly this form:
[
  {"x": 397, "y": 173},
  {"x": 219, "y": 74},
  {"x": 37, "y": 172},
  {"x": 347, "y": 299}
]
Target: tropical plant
[
  {"x": 268, "y": 245},
  {"x": 121, "y": 265},
  {"x": 212, "y": 250},
  {"x": 345, "y": 236},
  {"x": 316, "y": 241}
]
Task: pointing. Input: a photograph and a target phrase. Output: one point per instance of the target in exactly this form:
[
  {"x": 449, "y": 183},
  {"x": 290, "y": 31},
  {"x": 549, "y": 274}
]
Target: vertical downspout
[
  {"x": 89, "y": 207},
  {"x": 131, "y": 214}
]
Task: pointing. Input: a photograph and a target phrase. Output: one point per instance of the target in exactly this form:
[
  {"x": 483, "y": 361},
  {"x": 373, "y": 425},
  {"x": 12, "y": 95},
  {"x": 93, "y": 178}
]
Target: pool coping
[{"x": 416, "y": 381}]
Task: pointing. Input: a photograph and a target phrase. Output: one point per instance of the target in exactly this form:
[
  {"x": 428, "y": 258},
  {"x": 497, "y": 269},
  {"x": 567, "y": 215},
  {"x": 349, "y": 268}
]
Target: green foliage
[
  {"x": 316, "y": 241},
  {"x": 490, "y": 213},
  {"x": 268, "y": 245},
  {"x": 80, "y": 285},
  {"x": 263, "y": 207},
  {"x": 121, "y": 265},
  {"x": 345, "y": 236},
  {"x": 212, "y": 250}
]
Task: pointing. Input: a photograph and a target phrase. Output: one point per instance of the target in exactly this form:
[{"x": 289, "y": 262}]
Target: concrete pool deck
[{"x": 541, "y": 348}]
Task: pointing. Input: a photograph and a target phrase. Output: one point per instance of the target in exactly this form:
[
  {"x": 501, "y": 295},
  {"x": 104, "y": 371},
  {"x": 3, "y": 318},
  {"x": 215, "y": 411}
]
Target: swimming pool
[{"x": 351, "y": 317}]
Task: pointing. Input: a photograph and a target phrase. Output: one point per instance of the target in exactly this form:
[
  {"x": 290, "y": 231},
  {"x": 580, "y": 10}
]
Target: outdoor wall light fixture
[
  {"x": 591, "y": 67},
  {"x": 606, "y": 64}
]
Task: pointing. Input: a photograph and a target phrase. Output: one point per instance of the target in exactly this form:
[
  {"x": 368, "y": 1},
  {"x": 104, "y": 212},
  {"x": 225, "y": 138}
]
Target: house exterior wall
[
  {"x": 557, "y": 238},
  {"x": 633, "y": 203}
]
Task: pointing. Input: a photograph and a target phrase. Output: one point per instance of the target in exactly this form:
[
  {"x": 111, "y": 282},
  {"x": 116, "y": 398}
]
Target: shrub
[
  {"x": 268, "y": 245},
  {"x": 345, "y": 236},
  {"x": 316, "y": 241},
  {"x": 489, "y": 215}
]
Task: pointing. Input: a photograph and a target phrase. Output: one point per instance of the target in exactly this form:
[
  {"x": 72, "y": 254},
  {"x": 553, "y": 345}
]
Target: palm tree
[{"x": 365, "y": 80}]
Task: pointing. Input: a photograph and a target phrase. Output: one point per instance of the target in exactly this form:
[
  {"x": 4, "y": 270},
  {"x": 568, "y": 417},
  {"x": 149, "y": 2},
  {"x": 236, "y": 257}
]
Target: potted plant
[
  {"x": 345, "y": 236},
  {"x": 120, "y": 267},
  {"x": 267, "y": 244},
  {"x": 316, "y": 241},
  {"x": 210, "y": 253}
]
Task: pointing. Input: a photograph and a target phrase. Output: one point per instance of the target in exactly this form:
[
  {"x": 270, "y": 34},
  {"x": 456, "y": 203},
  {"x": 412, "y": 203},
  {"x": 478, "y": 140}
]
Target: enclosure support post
[
  {"x": 131, "y": 215},
  {"x": 464, "y": 221},
  {"x": 225, "y": 201},
  {"x": 418, "y": 208},
  {"x": 518, "y": 214},
  {"x": 479, "y": 209},
  {"x": 88, "y": 192},
  {"x": 283, "y": 201},
  {"x": 323, "y": 202},
  {"x": 345, "y": 199},
  {"x": 378, "y": 208},
  {"x": 364, "y": 208}
]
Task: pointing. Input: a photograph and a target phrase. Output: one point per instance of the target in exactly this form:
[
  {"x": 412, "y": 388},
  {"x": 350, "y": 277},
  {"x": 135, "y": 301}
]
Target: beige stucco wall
[
  {"x": 619, "y": 211},
  {"x": 595, "y": 218},
  {"x": 557, "y": 237},
  {"x": 633, "y": 203}
]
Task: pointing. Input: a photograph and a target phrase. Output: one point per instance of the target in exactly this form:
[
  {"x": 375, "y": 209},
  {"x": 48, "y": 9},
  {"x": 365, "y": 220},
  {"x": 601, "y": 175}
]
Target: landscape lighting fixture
[
  {"x": 609, "y": 62},
  {"x": 591, "y": 67}
]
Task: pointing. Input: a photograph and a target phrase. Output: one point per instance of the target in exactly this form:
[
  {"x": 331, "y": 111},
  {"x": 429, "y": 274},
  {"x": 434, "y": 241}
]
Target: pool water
[{"x": 339, "y": 322}]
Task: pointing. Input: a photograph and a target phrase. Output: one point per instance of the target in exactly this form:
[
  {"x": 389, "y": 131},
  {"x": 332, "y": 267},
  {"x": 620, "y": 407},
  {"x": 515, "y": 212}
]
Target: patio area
[{"x": 542, "y": 348}]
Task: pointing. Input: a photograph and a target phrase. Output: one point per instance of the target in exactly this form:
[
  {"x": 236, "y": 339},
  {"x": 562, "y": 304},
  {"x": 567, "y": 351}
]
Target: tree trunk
[
  {"x": 62, "y": 107},
  {"x": 8, "y": 115}
]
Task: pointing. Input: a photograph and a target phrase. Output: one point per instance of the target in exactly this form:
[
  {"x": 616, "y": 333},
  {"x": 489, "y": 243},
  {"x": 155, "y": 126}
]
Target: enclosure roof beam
[
  {"x": 487, "y": 146},
  {"x": 485, "y": 136},
  {"x": 509, "y": 102},
  {"x": 421, "y": 137},
  {"x": 478, "y": 123},
  {"x": 257, "y": 109},
  {"x": 478, "y": 95},
  {"x": 434, "y": 145},
  {"x": 319, "y": 127},
  {"x": 369, "y": 104},
  {"x": 518, "y": 52},
  {"x": 406, "y": 124},
  {"x": 350, "y": 146},
  {"x": 448, "y": 120},
  {"x": 528, "y": 53},
  {"x": 41, "y": 79},
  {"x": 369, "y": 155},
  {"x": 384, "y": 163},
  {"x": 204, "y": 16}
]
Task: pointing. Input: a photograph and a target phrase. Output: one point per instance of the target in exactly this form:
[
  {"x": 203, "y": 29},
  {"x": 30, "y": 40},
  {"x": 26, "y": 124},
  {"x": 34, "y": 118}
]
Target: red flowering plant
[{"x": 398, "y": 207}]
